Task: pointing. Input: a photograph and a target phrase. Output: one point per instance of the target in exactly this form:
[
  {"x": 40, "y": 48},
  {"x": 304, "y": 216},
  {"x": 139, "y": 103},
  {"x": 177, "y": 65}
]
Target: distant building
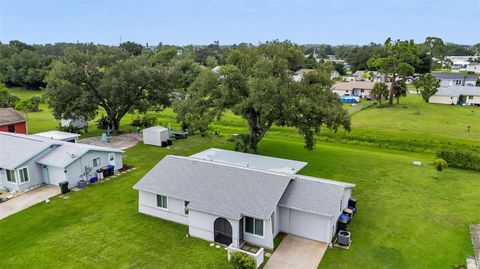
[
  {"x": 298, "y": 76},
  {"x": 447, "y": 80},
  {"x": 474, "y": 67},
  {"x": 462, "y": 95},
  {"x": 12, "y": 121},
  {"x": 360, "y": 89}
]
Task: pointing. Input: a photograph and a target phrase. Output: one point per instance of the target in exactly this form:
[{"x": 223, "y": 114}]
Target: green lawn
[{"x": 406, "y": 217}]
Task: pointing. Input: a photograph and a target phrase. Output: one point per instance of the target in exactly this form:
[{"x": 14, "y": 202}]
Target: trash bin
[
  {"x": 93, "y": 180},
  {"x": 64, "y": 187},
  {"x": 104, "y": 171},
  {"x": 111, "y": 169},
  {"x": 164, "y": 143},
  {"x": 169, "y": 142},
  {"x": 99, "y": 174},
  {"x": 82, "y": 184}
]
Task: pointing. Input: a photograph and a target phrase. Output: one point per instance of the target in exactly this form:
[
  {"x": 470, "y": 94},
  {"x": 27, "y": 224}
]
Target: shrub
[
  {"x": 241, "y": 260},
  {"x": 460, "y": 159},
  {"x": 36, "y": 100},
  {"x": 145, "y": 121}
]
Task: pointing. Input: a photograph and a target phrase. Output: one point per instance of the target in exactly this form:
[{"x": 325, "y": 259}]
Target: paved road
[
  {"x": 297, "y": 252},
  {"x": 28, "y": 199}
]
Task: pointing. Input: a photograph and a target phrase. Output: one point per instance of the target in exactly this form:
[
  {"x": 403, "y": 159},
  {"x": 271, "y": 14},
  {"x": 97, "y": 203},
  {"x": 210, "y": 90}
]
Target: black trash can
[
  {"x": 111, "y": 169},
  {"x": 105, "y": 172},
  {"x": 164, "y": 143},
  {"x": 64, "y": 187},
  {"x": 169, "y": 142}
]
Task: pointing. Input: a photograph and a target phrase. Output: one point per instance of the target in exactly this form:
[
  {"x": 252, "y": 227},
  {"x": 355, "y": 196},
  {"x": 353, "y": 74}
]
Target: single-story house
[
  {"x": 358, "y": 75},
  {"x": 59, "y": 135},
  {"x": 12, "y": 121},
  {"x": 474, "y": 67},
  {"x": 79, "y": 122},
  {"x": 298, "y": 76},
  {"x": 231, "y": 197},
  {"x": 27, "y": 161},
  {"x": 361, "y": 89},
  {"x": 468, "y": 95},
  {"x": 334, "y": 74},
  {"x": 447, "y": 80}
]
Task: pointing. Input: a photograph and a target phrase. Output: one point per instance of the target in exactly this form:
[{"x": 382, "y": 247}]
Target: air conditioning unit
[{"x": 344, "y": 238}]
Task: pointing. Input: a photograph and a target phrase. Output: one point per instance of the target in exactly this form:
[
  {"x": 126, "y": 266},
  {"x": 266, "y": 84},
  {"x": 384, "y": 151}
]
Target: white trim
[
  {"x": 253, "y": 234},
  {"x": 19, "y": 178},
  {"x": 161, "y": 207},
  {"x": 14, "y": 175}
]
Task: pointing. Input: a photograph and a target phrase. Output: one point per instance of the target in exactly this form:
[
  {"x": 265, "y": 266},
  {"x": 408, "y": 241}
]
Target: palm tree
[
  {"x": 379, "y": 91},
  {"x": 439, "y": 164}
]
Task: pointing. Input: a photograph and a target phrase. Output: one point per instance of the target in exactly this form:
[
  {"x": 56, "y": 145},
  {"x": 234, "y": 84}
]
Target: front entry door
[{"x": 222, "y": 231}]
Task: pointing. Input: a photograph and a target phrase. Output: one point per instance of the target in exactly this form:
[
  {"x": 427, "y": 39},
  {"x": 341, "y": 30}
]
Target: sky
[{"x": 184, "y": 22}]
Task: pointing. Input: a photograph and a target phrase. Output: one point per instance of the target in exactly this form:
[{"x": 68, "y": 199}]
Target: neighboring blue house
[{"x": 27, "y": 161}]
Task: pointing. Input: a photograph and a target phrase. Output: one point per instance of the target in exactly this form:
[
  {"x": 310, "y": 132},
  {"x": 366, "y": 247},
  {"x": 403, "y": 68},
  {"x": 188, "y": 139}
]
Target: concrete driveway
[
  {"x": 297, "y": 252},
  {"x": 28, "y": 199}
]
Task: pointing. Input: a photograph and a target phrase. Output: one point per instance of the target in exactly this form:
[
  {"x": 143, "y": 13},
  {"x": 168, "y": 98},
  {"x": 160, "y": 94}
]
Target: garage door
[{"x": 309, "y": 225}]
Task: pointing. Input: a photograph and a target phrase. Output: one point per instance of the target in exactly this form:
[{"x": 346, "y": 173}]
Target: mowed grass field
[{"x": 406, "y": 218}]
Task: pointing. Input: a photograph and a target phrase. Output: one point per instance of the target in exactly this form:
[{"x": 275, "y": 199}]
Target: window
[
  {"x": 11, "y": 128},
  {"x": 458, "y": 82},
  {"x": 470, "y": 98},
  {"x": 162, "y": 201},
  {"x": 362, "y": 90},
  {"x": 186, "y": 207},
  {"x": 254, "y": 226},
  {"x": 23, "y": 174},
  {"x": 96, "y": 162},
  {"x": 111, "y": 157},
  {"x": 11, "y": 176}
]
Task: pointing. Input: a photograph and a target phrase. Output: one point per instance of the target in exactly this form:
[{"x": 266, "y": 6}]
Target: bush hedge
[
  {"x": 460, "y": 159},
  {"x": 240, "y": 260}
]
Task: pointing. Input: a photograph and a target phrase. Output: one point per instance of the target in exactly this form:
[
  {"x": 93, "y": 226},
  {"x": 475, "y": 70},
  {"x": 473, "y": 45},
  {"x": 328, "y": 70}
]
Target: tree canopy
[
  {"x": 81, "y": 82},
  {"x": 256, "y": 84}
]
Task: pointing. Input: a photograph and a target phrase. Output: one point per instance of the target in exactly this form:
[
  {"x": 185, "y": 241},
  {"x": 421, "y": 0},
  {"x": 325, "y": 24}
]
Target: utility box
[{"x": 156, "y": 136}]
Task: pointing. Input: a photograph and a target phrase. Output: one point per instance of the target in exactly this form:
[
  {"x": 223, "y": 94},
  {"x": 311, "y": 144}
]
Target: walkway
[
  {"x": 28, "y": 199},
  {"x": 297, "y": 252}
]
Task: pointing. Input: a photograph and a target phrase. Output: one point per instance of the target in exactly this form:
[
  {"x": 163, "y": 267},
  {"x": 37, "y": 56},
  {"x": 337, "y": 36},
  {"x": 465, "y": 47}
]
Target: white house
[
  {"x": 474, "y": 67},
  {"x": 360, "y": 89},
  {"x": 231, "y": 197},
  {"x": 447, "y": 80},
  {"x": 28, "y": 160},
  {"x": 298, "y": 76},
  {"x": 464, "y": 95},
  {"x": 59, "y": 135}
]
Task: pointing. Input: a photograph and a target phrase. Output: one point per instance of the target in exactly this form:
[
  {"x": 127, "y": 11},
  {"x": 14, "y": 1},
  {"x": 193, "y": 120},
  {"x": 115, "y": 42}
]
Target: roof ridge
[{"x": 291, "y": 176}]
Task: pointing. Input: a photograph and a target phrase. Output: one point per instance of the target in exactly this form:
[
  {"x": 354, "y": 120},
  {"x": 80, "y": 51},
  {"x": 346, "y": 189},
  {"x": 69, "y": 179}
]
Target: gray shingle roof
[
  {"x": 232, "y": 191},
  {"x": 458, "y": 90},
  {"x": 314, "y": 195},
  {"x": 220, "y": 189},
  {"x": 16, "y": 149},
  {"x": 454, "y": 76},
  {"x": 250, "y": 160},
  {"x": 10, "y": 116}
]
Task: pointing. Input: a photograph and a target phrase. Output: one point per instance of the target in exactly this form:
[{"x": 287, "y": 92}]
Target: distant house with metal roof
[
  {"x": 461, "y": 95},
  {"x": 12, "y": 121},
  {"x": 27, "y": 161},
  {"x": 231, "y": 197},
  {"x": 447, "y": 80}
]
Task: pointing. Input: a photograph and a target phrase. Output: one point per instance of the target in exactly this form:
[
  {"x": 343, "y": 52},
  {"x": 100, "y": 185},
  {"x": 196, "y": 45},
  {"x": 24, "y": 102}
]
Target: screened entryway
[{"x": 222, "y": 231}]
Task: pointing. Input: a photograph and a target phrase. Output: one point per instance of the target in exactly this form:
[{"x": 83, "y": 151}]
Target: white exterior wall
[
  {"x": 474, "y": 101},
  {"x": 147, "y": 204},
  {"x": 305, "y": 224},
  {"x": 76, "y": 170},
  {"x": 342, "y": 92},
  {"x": 56, "y": 175},
  {"x": 201, "y": 226},
  {"x": 155, "y": 137},
  {"x": 475, "y": 68},
  {"x": 447, "y": 100},
  {"x": 264, "y": 241}
]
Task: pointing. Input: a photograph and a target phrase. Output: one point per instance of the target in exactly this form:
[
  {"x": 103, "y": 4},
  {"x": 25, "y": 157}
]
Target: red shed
[{"x": 12, "y": 121}]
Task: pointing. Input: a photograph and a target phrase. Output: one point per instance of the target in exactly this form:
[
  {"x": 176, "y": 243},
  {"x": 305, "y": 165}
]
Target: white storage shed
[{"x": 155, "y": 135}]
